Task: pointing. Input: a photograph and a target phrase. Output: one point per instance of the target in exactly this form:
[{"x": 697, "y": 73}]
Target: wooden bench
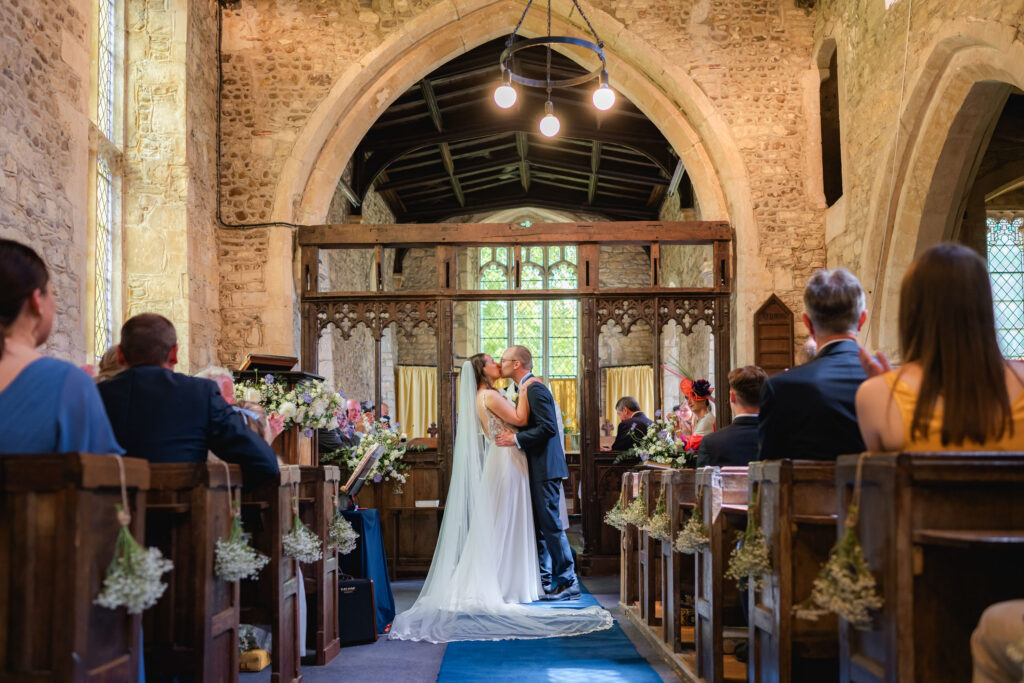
[
  {"x": 318, "y": 489},
  {"x": 274, "y": 598},
  {"x": 649, "y": 555},
  {"x": 193, "y": 629},
  {"x": 677, "y": 569},
  {"x": 58, "y": 531},
  {"x": 798, "y": 505},
  {"x": 629, "y": 571},
  {"x": 942, "y": 534},
  {"x": 723, "y": 493}
]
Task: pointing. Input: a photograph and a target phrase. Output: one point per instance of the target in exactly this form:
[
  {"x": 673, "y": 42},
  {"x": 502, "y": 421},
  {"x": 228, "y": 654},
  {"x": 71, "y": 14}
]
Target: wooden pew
[
  {"x": 629, "y": 571},
  {"x": 274, "y": 598},
  {"x": 724, "y": 506},
  {"x": 676, "y": 568},
  {"x": 318, "y": 489},
  {"x": 943, "y": 534},
  {"x": 193, "y": 630},
  {"x": 797, "y": 501},
  {"x": 649, "y": 555},
  {"x": 58, "y": 531}
]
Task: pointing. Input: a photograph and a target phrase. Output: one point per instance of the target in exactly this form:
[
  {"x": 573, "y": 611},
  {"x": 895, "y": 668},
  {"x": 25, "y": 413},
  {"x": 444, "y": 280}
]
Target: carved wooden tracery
[
  {"x": 686, "y": 312},
  {"x": 346, "y": 316},
  {"x": 625, "y": 312}
]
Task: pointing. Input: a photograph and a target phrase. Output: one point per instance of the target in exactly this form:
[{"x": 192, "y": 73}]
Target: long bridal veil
[{"x": 461, "y": 598}]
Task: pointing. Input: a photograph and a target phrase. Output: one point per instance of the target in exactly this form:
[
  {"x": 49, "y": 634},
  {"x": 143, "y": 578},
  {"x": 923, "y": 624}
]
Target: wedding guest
[
  {"x": 698, "y": 397},
  {"x": 46, "y": 405},
  {"x": 737, "y": 443},
  {"x": 808, "y": 413},
  {"x": 684, "y": 420},
  {"x": 385, "y": 414},
  {"x": 109, "y": 365},
  {"x": 955, "y": 391},
  {"x": 632, "y": 423},
  {"x": 356, "y": 418},
  {"x": 224, "y": 380},
  {"x": 1000, "y": 628},
  {"x": 164, "y": 416},
  {"x": 330, "y": 440}
]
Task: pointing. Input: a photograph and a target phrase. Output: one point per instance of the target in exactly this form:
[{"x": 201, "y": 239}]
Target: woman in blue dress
[{"x": 46, "y": 405}]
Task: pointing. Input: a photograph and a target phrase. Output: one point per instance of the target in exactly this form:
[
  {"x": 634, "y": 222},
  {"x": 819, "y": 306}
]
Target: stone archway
[
  {"x": 670, "y": 98},
  {"x": 945, "y": 127}
]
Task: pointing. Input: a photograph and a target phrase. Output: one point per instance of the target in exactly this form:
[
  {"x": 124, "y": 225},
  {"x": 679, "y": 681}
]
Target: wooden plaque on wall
[{"x": 773, "y": 336}]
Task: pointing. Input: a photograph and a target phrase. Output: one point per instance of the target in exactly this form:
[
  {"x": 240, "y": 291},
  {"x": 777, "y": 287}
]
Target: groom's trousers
[{"x": 556, "y": 567}]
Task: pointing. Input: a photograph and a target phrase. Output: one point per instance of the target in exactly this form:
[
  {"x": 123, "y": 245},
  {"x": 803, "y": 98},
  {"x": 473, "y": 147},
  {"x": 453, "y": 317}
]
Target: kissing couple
[{"x": 502, "y": 543}]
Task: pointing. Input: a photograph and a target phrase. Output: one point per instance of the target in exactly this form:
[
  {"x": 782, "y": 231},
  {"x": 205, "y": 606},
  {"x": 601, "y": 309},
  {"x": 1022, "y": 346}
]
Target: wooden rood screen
[{"x": 423, "y": 297}]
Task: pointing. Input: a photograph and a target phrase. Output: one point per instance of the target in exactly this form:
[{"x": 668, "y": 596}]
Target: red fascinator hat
[{"x": 699, "y": 390}]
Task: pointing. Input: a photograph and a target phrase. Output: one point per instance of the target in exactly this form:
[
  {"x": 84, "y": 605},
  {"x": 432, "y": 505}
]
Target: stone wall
[{"x": 44, "y": 150}]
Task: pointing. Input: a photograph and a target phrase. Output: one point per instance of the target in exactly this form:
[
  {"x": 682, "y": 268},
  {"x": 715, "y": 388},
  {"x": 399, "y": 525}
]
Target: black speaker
[{"x": 357, "y": 611}]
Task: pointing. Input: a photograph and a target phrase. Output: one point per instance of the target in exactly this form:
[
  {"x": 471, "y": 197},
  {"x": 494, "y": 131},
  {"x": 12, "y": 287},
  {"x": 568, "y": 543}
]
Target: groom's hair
[{"x": 523, "y": 355}]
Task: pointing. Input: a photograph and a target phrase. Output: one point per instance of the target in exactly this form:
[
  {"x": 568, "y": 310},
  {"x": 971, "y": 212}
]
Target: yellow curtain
[
  {"x": 564, "y": 391},
  {"x": 416, "y": 394},
  {"x": 631, "y": 380}
]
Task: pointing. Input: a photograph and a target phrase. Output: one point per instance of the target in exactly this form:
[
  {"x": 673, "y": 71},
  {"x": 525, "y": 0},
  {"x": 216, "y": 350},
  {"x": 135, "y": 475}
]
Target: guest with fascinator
[{"x": 698, "y": 396}]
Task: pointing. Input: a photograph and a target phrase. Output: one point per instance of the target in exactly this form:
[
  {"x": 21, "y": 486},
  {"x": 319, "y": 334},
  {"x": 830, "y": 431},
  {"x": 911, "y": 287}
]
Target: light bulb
[
  {"x": 505, "y": 96},
  {"x": 604, "y": 97},
  {"x": 549, "y": 125}
]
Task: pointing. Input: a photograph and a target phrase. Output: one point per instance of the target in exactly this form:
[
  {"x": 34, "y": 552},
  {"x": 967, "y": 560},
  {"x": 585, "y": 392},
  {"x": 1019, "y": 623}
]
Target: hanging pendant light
[
  {"x": 549, "y": 125},
  {"x": 505, "y": 95},
  {"x": 604, "y": 97}
]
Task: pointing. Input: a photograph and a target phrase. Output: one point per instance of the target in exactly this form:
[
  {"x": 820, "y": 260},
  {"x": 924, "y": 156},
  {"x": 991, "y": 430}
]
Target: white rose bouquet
[
  {"x": 658, "y": 445},
  {"x": 389, "y": 467},
  {"x": 310, "y": 404}
]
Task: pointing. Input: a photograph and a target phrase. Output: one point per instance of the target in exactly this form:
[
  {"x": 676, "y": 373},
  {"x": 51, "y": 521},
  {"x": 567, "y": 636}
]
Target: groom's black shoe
[{"x": 570, "y": 592}]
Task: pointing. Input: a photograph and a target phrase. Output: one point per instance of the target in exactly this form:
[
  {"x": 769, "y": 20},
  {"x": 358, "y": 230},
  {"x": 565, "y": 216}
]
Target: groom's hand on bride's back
[{"x": 505, "y": 439}]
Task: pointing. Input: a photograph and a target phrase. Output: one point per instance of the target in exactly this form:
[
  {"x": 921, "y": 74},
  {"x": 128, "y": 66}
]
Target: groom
[{"x": 546, "y": 461}]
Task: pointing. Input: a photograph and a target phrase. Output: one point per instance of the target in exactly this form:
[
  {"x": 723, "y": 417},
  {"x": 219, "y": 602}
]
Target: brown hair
[
  {"x": 147, "y": 339},
  {"x": 21, "y": 273},
  {"x": 947, "y": 326},
  {"x": 479, "y": 362},
  {"x": 747, "y": 382}
]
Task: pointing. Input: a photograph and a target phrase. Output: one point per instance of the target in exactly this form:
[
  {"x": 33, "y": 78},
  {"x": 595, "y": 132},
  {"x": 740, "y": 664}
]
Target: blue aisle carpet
[{"x": 602, "y": 657}]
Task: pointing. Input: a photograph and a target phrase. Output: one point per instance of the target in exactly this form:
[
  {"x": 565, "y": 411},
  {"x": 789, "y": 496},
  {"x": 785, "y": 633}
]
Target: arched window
[
  {"x": 1006, "y": 269},
  {"x": 550, "y": 329},
  {"x": 831, "y": 145}
]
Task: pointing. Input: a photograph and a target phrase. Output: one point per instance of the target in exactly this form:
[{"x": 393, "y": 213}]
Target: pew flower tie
[
  {"x": 235, "y": 558},
  {"x": 845, "y": 585},
  {"x": 694, "y": 536},
  {"x": 300, "y": 543},
  {"x": 341, "y": 535},
  {"x": 133, "y": 577},
  {"x": 659, "y": 525},
  {"x": 616, "y": 517},
  {"x": 636, "y": 512},
  {"x": 749, "y": 560}
]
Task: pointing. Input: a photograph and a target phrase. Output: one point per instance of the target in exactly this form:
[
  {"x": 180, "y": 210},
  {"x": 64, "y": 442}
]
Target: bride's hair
[{"x": 479, "y": 362}]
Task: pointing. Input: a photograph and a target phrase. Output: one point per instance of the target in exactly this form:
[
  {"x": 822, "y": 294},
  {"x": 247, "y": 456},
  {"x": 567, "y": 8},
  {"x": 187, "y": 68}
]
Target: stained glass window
[{"x": 1006, "y": 270}]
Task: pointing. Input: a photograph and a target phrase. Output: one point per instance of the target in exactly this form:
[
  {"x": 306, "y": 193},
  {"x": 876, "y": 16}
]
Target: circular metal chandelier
[{"x": 505, "y": 95}]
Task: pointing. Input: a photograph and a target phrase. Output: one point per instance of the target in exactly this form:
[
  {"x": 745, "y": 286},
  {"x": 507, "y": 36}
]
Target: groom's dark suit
[{"x": 546, "y": 462}]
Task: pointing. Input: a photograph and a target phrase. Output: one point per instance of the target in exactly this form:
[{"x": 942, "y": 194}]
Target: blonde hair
[
  {"x": 260, "y": 425},
  {"x": 109, "y": 365}
]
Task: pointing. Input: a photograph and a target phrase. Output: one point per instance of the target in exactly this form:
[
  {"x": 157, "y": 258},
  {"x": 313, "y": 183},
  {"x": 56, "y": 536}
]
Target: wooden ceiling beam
[
  {"x": 431, "y": 100},
  {"x": 449, "y": 165},
  {"x": 464, "y": 171},
  {"x": 523, "y": 147},
  {"x": 595, "y": 164},
  {"x": 601, "y": 173}
]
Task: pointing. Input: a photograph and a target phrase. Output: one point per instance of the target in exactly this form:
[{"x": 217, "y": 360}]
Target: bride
[{"x": 485, "y": 563}]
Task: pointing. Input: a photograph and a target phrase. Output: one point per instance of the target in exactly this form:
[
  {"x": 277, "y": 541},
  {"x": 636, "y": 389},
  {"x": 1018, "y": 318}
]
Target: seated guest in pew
[
  {"x": 632, "y": 423},
  {"x": 736, "y": 444},
  {"x": 109, "y": 365},
  {"x": 46, "y": 405},
  {"x": 955, "y": 391},
  {"x": 684, "y": 420},
  {"x": 808, "y": 413},
  {"x": 698, "y": 398},
  {"x": 1000, "y": 628},
  {"x": 225, "y": 382},
  {"x": 163, "y": 416},
  {"x": 343, "y": 436}
]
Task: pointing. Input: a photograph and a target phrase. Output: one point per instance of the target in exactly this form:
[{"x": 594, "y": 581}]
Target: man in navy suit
[
  {"x": 736, "y": 444},
  {"x": 163, "y": 416},
  {"x": 632, "y": 424},
  {"x": 808, "y": 413},
  {"x": 545, "y": 460}
]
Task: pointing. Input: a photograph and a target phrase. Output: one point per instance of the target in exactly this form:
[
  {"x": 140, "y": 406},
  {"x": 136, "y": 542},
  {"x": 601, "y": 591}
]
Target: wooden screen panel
[
  {"x": 773, "y": 336},
  {"x": 410, "y": 532}
]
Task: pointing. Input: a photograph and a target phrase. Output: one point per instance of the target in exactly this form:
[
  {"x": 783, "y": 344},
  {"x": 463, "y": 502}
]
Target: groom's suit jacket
[{"x": 539, "y": 438}]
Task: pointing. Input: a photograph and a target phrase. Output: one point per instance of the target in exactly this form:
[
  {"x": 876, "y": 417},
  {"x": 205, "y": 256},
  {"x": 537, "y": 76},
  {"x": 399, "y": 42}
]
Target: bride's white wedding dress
[{"x": 485, "y": 563}]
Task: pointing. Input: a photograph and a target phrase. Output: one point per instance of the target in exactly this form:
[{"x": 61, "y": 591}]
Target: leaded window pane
[
  {"x": 493, "y": 277},
  {"x": 562, "y": 276},
  {"x": 104, "y": 263},
  {"x": 1006, "y": 270},
  {"x": 532, "y": 278},
  {"x": 107, "y": 35}
]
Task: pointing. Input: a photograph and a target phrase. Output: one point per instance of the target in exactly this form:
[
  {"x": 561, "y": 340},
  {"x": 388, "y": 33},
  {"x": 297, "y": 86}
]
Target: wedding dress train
[{"x": 485, "y": 563}]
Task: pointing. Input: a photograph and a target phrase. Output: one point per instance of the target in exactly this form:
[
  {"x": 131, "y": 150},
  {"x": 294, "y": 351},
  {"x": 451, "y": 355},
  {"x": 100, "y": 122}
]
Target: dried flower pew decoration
[
  {"x": 659, "y": 524},
  {"x": 133, "y": 577},
  {"x": 234, "y": 558},
  {"x": 636, "y": 512},
  {"x": 300, "y": 543},
  {"x": 749, "y": 560},
  {"x": 616, "y": 517},
  {"x": 342, "y": 537},
  {"x": 845, "y": 585},
  {"x": 694, "y": 536}
]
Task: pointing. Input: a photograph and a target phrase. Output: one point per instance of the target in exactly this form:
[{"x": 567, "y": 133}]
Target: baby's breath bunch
[
  {"x": 636, "y": 512},
  {"x": 301, "y": 543},
  {"x": 341, "y": 535},
  {"x": 750, "y": 558},
  {"x": 616, "y": 516},
  {"x": 694, "y": 535},
  {"x": 659, "y": 525},
  {"x": 235, "y": 559},
  {"x": 133, "y": 577}
]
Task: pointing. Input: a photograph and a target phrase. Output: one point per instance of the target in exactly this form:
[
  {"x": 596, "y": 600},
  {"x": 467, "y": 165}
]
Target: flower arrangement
[
  {"x": 659, "y": 445},
  {"x": 342, "y": 537},
  {"x": 133, "y": 577},
  {"x": 301, "y": 543},
  {"x": 616, "y": 517},
  {"x": 694, "y": 536},
  {"x": 845, "y": 585},
  {"x": 235, "y": 559},
  {"x": 310, "y": 404},
  {"x": 749, "y": 560},
  {"x": 636, "y": 512},
  {"x": 389, "y": 467},
  {"x": 659, "y": 525}
]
